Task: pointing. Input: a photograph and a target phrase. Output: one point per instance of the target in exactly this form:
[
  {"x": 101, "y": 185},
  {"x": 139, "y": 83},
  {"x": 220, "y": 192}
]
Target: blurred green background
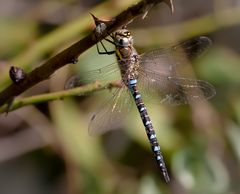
[{"x": 47, "y": 149}]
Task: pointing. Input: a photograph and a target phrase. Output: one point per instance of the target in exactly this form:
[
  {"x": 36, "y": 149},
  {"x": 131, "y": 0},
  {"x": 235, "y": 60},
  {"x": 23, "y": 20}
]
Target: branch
[
  {"x": 70, "y": 54},
  {"x": 79, "y": 91},
  {"x": 71, "y": 30}
]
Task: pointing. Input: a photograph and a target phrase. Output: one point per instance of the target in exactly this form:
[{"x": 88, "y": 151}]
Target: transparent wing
[
  {"x": 90, "y": 76},
  {"x": 111, "y": 115},
  {"x": 171, "y": 60},
  {"x": 173, "y": 90},
  {"x": 161, "y": 74}
]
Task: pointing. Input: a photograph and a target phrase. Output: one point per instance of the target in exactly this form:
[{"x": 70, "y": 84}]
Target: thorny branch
[{"x": 70, "y": 54}]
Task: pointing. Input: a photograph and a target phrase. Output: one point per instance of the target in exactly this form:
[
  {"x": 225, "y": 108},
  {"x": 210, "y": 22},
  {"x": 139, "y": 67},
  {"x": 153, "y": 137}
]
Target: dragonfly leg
[{"x": 105, "y": 50}]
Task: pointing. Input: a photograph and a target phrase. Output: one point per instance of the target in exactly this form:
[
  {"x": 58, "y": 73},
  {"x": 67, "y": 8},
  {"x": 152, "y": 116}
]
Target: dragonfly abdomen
[{"x": 152, "y": 137}]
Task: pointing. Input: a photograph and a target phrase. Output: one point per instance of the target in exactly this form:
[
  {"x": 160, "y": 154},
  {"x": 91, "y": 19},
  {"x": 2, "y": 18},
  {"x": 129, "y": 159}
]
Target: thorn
[
  {"x": 170, "y": 4},
  {"x": 96, "y": 20},
  {"x": 9, "y": 105},
  {"x": 144, "y": 15},
  {"x": 100, "y": 25},
  {"x": 99, "y": 21}
]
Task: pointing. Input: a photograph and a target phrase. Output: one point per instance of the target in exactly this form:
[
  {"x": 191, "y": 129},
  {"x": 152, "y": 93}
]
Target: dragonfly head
[{"x": 123, "y": 38}]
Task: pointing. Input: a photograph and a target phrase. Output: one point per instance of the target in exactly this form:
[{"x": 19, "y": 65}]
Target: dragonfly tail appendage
[{"x": 158, "y": 155}]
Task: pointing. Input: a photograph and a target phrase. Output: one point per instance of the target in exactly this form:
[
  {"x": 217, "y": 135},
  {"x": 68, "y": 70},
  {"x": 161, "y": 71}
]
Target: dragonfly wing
[
  {"x": 161, "y": 72},
  {"x": 90, "y": 76},
  {"x": 168, "y": 61},
  {"x": 112, "y": 113},
  {"x": 173, "y": 90}
]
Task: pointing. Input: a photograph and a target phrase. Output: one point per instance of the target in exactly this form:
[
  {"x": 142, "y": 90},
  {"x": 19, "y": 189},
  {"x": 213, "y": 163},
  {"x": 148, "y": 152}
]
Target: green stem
[{"x": 83, "y": 90}]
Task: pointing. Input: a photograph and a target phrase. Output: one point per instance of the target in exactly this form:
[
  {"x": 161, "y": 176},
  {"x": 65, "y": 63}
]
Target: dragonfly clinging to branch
[{"x": 154, "y": 72}]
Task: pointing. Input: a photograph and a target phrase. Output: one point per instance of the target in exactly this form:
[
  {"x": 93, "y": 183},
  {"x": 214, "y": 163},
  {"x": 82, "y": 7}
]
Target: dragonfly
[{"x": 152, "y": 75}]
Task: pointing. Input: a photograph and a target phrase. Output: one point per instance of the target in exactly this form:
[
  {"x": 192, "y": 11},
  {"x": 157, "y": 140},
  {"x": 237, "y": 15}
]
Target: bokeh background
[{"x": 47, "y": 149}]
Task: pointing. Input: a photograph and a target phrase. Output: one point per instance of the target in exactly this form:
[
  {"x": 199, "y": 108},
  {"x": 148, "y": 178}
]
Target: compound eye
[
  {"x": 127, "y": 33},
  {"x": 124, "y": 42}
]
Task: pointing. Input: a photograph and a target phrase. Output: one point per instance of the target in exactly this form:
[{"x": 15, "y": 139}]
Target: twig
[
  {"x": 70, "y": 54},
  {"x": 83, "y": 90}
]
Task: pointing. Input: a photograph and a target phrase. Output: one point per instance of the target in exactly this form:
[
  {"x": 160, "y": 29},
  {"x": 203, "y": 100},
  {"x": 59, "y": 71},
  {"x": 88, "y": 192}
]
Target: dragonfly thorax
[
  {"x": 129, "y": 66},
  {"x": 126, "y": 55}
]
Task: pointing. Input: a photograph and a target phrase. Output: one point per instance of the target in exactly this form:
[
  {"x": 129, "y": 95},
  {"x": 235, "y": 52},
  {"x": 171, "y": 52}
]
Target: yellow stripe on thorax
[{"x": 118, "y": 54}]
